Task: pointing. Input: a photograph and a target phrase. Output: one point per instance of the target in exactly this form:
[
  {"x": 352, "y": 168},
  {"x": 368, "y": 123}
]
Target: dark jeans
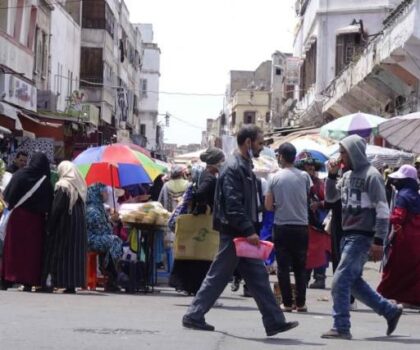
[
  {"x": 291, "y": 245},
  {"x": 255, "y": 275}
]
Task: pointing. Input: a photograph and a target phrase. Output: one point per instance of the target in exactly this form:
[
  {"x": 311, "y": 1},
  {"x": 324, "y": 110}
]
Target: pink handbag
[{"x": 247, "y": 250}]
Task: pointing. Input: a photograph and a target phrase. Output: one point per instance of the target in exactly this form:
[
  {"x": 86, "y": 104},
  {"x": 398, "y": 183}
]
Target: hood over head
[{"x": 355, "y": 146}]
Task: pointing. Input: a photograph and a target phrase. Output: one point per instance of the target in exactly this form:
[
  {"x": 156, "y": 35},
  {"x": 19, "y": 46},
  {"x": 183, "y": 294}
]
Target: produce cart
[{"x": 144, "y": 222}]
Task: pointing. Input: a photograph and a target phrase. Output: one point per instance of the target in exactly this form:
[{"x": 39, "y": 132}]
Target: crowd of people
[{"x": 354, "y": 215}]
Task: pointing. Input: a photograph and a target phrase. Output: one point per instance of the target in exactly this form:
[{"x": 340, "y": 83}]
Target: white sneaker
[{"x": 353, "y": 306}]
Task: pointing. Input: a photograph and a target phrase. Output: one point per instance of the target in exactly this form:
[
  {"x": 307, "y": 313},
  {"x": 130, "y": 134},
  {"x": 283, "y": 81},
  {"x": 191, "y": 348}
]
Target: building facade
[
  {"x": 332, "y": 37},
  {"x": 150, "y": 128}
]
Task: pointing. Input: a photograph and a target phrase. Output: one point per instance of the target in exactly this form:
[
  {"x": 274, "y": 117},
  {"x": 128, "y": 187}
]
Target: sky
[{"x": 200, "y": 42}]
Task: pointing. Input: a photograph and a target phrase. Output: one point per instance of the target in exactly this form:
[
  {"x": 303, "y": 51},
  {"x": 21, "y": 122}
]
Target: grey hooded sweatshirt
[{"x": 362, "y": 192}]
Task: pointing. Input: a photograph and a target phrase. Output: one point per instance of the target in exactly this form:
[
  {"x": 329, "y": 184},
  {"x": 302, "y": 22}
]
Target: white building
[
  {"x": 64, "y": 50},
  {"x": 149, "y": 90},
  {"x": 17, "y": 37},
  {"x": 329, "y": 36}
]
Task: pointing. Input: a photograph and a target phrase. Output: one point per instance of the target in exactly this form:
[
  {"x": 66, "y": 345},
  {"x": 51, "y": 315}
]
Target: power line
[{"x": 183, "y": 121}]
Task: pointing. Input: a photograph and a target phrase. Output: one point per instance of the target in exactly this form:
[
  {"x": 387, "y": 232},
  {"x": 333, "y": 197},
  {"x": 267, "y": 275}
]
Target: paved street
[{"x": 119, "y": 321}]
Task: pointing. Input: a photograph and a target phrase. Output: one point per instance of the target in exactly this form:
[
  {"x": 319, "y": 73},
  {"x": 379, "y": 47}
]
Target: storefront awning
[
  {"x": 36, "y": 120},
  {"x": 12, "y": 113}
]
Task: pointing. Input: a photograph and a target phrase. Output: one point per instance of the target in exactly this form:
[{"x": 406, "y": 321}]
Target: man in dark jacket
[{"x": 236, "y": 214}]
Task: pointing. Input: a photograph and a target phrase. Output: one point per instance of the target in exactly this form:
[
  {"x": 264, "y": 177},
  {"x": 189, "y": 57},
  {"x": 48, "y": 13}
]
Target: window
[
  {"x": 69, "y": 83},
  {"x": 143, "y": 84},
  {"x": 135, "y": 104},
  {"x": 347, "y": 47},
  {"x": 267, "y": 117},
  {"x": 278, "y": 71},
  {"x": 249, "y": 117},
  {"x": 45, "y": 39},
  {"x": 32, "y": 26},
  {"x": 91, "y": 65},
  {"x": 308, "y": 70},
  {"x": 233, "y": 120},
  {"x": 143, "y": 129},
  {"x": 39, "y": 50}
]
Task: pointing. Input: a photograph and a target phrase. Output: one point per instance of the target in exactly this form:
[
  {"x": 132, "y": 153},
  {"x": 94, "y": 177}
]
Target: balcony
[{"x": 382, "y": 79}]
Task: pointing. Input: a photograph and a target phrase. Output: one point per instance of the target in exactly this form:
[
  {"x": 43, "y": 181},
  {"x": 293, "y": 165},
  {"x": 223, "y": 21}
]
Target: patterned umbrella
[
  {"x": 117, "y": 165},
  {"x": 359, "y": 123}
]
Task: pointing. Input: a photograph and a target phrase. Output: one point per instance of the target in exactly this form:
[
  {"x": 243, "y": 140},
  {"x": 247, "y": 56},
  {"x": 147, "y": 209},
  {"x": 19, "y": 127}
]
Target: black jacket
[
  {"x": 236, "y": 188},
  {"x": 204, "y": 195}
]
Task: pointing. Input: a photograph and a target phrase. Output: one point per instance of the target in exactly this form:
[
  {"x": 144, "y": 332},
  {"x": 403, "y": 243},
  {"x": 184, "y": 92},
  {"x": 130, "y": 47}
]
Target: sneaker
[
  {"x": 234, "y": 287},
  {"x": 283, "y": 328},
  {"x": 318, "y": 284},
  {"x": 285, "y": 308},
  {"x": 335, "y": 334},
  {"x": 188, "y": 322},
  {"x": 303, "y": 308},
  {"x": 393, "y": 322}
]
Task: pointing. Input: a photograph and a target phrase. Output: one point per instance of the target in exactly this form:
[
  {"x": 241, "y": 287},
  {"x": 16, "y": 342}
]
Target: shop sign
[{"x": 18, "y": 92}]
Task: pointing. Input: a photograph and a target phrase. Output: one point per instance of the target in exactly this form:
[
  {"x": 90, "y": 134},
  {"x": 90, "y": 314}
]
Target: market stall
[{"x": 146, "y": 224}]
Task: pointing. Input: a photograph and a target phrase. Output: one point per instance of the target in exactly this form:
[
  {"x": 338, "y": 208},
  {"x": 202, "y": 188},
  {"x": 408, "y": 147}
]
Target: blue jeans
[
  {"x": 348, "y": 280},
  {"x": 253, "y": 272}
]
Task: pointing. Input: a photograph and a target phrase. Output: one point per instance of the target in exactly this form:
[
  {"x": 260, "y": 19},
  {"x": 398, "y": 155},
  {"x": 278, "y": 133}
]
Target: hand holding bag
[{"x": 6, "y": 213}]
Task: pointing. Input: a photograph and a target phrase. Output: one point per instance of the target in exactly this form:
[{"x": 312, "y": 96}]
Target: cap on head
[
  {"x": 405, "y": 172},
  {"x": 212, "y": 156}
]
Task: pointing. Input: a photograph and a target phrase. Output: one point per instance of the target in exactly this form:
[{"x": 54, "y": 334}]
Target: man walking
[
  {"x": 288, "y": 192},
  {"x": 236, "y": 214},
  {"x": 365, "y": 218}
]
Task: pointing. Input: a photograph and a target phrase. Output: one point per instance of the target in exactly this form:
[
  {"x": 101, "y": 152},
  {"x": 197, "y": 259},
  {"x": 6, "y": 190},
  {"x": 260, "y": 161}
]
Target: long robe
[
  {"x": 401, "y": 273},
  {"x": 23, "y": 246},
  {"x": 66, "y": 246},
  {"x": 187, "y": 275}
]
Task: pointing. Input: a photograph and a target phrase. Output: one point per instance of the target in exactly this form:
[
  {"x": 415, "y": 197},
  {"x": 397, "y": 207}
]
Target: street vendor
[{"x": 100, "y": 233}]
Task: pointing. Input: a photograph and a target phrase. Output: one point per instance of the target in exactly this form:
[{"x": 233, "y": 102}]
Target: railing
[{"x": 397, "y": 12}]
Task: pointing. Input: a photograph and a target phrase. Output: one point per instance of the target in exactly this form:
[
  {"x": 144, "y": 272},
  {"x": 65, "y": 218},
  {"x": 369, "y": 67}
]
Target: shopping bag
[
  {"x": 195, "y": 238},
  {"x": 245, "y": 249}
]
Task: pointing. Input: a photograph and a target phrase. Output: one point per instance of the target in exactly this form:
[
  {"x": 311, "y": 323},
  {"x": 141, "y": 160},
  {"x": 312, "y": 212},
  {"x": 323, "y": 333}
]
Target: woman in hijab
[
  {"x": 100, "y": 233},
  {"x": 187, "y": 275},
  {"x": 401, "y": 271},
  {"x": 25, "y": 233},
  {"x": 65, "y": 260}
]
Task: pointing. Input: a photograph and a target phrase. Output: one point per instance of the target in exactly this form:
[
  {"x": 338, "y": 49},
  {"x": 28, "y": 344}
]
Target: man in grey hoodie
[{"x": 365, "y": 219}]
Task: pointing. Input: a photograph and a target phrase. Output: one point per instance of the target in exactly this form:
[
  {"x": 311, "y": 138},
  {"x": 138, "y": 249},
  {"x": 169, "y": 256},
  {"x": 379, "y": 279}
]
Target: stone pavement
[{"x": 94, "y": 320}]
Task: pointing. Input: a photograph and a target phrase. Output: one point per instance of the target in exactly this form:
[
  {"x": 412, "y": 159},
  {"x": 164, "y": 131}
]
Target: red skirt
[
  {"x": 319, "y": 246},
  {"x": 23, "y": 247},
  {"x": 401, "y": 274}
]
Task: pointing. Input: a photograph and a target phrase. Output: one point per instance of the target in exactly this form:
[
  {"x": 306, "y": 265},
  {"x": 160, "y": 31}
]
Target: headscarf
[
  {"x": 71, "y": 182},
  {"x": 96, "y": 218},
  {"x": 94, "y": 195},
  {"x": 24, "y": 179}
]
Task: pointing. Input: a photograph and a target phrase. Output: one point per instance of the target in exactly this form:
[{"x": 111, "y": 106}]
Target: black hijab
[{"x": 24, "y": 179}]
